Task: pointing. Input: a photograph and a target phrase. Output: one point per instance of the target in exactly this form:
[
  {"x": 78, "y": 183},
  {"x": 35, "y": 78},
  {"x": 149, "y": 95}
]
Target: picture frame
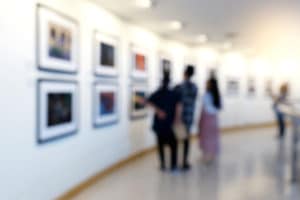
[
  {"x": 268, "y": 87},
  {"x": 57, "y": 109},
  {"x": 106, "y": 62},
  {"x": 232, "y": 87},
  {"x": 105, "y": 103},
  {"x": 137, "y": 110},
  {"x": 139, "y": 63},
  {"x": 251, "y": 87},
  {"x": 57, "y": 41},
  {"x": 166, "y": 65}
]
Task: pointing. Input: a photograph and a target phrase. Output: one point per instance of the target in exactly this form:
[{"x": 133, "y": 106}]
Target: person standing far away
[
  {"x": 209, "y": 134},
  {"x": 167, "y": 107},
  {"x": 280, "y": 99},
  {"x": 187, "y": 91}
]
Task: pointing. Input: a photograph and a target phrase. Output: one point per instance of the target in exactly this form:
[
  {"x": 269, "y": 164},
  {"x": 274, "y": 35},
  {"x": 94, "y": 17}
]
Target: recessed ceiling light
[
  {"x": 176, "y": 25},
  {"x": 202, "y": 38},
  {"x": 144, "y": 3}
]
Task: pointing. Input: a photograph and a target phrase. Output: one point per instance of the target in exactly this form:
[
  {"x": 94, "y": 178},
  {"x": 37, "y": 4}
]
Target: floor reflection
[{"x": 253, "y": 166}]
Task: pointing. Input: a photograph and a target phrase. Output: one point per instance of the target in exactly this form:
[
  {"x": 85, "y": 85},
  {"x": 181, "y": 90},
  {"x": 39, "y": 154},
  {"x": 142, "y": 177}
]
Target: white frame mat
[
  {"x": 45, "y": 62},
  {"x": 99, "y": 120},
  {"x": 45, "y": 87},
  {"x": 104, "y": 70}
]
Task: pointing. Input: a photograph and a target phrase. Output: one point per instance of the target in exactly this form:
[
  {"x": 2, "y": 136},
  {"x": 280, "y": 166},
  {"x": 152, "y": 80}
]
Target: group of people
[{"x": 175, "y": 108}]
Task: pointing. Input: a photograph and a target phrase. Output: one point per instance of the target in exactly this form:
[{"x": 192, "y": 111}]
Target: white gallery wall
[{"x": 32, "y": 171}]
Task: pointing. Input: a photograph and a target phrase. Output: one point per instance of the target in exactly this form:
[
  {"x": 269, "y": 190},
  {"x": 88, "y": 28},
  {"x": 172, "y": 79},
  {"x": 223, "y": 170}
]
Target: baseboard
[
  {"x": 247, "y": 127},
  {"x": 86, "y": 184}
]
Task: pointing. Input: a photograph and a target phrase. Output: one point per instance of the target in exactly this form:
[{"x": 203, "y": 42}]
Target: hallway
[{"x": 253, "y": 166}]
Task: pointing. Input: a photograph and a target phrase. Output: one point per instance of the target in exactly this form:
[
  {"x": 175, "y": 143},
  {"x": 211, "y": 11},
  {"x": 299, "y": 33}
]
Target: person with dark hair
[
  {"x": 188, "y": 94},
  {"x": 166, "y": 105},
  {"x": 280, "y": 99},
  {"x": 208, "y": 125}
]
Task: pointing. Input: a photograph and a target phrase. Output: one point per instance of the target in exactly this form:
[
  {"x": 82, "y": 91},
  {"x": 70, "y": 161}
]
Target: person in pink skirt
[{"x": 209, "y": 133}]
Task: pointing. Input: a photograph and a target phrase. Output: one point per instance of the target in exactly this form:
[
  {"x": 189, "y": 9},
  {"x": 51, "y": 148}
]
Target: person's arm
[
  {"x": 151, "y": 103},
  {"x": 160, "y": 114}
]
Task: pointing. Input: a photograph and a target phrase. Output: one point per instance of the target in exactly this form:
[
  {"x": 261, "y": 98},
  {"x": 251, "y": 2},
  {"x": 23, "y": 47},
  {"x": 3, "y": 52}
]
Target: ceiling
[{"x": 255, "y": 23}]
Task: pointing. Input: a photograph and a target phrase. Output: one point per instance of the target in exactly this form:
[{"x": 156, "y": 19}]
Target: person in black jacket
[{"x": 166, "y": 104}]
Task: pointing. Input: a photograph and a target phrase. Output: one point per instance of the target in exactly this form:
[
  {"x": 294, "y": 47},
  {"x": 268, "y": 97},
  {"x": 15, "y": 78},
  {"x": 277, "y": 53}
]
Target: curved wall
[{"x": 32, "y": 171}]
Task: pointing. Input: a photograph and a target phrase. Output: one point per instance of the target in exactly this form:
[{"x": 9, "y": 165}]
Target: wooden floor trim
[
  {"x": 78, "y": 189},
  {"x": 81, "y": 187},
  {"x": 247, "y": 127}
]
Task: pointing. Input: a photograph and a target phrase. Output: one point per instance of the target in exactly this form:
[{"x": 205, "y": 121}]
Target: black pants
[
  {"x": 167, "y": 137},
  {"x": 186, "y": 147},
  {"x": 281, "y": 124}
]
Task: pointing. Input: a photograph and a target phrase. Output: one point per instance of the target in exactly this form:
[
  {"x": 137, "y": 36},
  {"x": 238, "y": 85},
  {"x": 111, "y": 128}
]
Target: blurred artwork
[
  {"x": 60, "y": 42},
  {"x": 232, "y": 87},
  {"x": 268, "y": 88},
  {"x": 107, "y": 103},
  {"x": 107, "y": 55},
  {"x": 105, "y": 106},
  {"x": 59, "y": 108},
  {"x": 136, "y": 103},
  {"x": 166, "y": 65},
  {"x": 251, "y": 89},
  {"x": 138, "y": 107},
  {"x": 57, "y": 39},
  {"x": 140, "y": 62}
]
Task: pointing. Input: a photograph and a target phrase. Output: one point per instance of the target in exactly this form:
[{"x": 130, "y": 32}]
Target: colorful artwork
[
  {"x": 138, "y": 107},
  {"x": 107, "y": 103},
  {"x": 59, "y": 108},
  {"x": 57, "y": 41},
  {"x": 136, "y": 103},
  {"x": 60, "y": 42},
  {"x": 140, "y": 62},
  {"x": 107, "y": 55},
  {"x": 105, "y": 106}
]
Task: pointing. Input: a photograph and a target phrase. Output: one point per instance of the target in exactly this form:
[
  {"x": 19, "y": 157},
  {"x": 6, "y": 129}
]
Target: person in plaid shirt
[{"x": 188, "y": 94}]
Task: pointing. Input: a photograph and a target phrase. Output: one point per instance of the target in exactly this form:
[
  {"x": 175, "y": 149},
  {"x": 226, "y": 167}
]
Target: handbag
[{"x": 180, "y": 131}]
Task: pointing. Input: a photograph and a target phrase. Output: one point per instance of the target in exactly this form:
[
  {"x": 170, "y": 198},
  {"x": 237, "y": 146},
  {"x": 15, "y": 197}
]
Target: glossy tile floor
[{"x": 253, "y": 166}]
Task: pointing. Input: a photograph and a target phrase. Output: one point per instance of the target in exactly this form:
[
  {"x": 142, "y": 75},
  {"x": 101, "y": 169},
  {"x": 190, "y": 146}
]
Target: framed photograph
[
  {"x": 251, "y": 87},
  {"x": 105, "y": 58},
  {"x": 57, "y": 41},
  {"x": 58, "y": 108},
  {"x": 268, "y": 88},
  {"x": 105, "y": 104},
  {"x": 139, "y": 63},
  {"x": 137, "y": 109},
  {"x": 166, "y": 65},
  {"x": 232, "y": 87}
]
